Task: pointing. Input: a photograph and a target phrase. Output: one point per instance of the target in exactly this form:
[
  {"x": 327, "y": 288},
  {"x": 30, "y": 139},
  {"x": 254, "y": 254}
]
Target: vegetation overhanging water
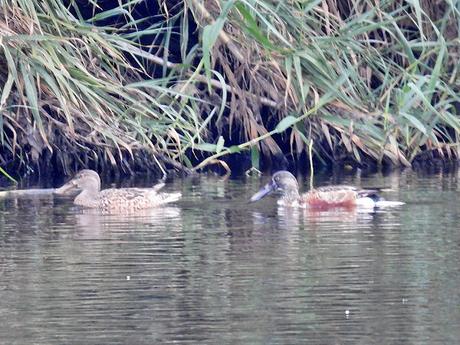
[{"x": 132, "y": 86}]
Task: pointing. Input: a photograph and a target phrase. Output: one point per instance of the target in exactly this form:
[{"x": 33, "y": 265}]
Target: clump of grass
[
  {"x": 78, "y": 92},
  {"x": 362, "y": 81}
]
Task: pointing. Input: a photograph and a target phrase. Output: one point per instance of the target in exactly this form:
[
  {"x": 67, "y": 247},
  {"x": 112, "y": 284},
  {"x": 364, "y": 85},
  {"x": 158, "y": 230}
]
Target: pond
[{"x": 213, "y": 269}]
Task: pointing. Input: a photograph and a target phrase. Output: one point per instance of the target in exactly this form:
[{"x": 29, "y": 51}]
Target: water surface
[{"x": 213, "y": 269}]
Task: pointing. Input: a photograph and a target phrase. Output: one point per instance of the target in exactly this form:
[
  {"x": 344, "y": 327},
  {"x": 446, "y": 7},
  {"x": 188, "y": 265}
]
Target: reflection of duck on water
[
  {"x": 113, "y": 200},
  {"x": 93, "y": 224},
  {"x": 322, "y": 197},
  {"x": 293, "y": 218}
]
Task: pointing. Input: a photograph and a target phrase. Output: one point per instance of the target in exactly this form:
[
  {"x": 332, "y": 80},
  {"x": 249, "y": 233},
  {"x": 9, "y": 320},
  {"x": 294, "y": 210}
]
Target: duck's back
[{"x": 132, "y": 199}]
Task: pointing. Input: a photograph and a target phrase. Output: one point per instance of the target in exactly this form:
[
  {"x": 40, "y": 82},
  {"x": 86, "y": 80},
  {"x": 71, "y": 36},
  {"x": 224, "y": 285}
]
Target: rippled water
[{"x": 213, "y": 269}]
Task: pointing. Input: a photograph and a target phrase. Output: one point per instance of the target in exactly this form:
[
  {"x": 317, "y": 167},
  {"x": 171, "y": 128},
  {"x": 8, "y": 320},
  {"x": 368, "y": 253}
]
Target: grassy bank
[{"x": 195, "y": 82}]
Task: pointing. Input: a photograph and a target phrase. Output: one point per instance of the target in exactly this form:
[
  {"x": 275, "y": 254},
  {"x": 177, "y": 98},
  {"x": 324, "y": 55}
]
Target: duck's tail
[
  {"x": 158, "y": 186},
  {"x": 165, "y": 198},
  {"x": 371, "y": 197},
  {"x": 369, "y": 193}
]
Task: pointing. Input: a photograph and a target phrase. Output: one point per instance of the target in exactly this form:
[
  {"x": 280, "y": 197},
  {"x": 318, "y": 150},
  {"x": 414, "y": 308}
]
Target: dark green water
[{"x": 212, "y": 269}]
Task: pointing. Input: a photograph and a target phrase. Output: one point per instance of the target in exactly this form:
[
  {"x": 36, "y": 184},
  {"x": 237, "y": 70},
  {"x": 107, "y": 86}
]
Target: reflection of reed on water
[{"x": 26, "y": 193}]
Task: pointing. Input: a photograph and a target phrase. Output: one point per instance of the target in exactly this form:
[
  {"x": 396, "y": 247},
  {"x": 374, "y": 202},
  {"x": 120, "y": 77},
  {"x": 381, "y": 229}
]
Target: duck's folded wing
[
  {"x": 132, "y": 199},
  {"x": 344, "y": 190},
  {"x": 336, "y": 188}
]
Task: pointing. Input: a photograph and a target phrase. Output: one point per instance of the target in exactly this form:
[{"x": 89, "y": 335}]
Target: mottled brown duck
[{"x": 113, "y": 200}]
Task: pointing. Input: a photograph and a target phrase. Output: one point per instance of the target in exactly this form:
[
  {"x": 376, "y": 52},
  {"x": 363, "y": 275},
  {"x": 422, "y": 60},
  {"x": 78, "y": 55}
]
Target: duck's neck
[
  {"x": 290, "y": 196},
  {"x": 87, "y": 198}
]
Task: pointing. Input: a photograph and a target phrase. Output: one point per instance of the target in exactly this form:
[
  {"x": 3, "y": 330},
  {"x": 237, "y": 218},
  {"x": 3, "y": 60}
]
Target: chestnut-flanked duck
[
  {"x": 120, "y": 200},
  {"x": 322, "y": 197}
]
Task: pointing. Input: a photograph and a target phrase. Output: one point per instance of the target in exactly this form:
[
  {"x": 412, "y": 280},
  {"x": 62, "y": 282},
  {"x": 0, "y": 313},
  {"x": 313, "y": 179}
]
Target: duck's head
[
  {"x": 85, "y": 180},
  {"x": 283, "y": 182}
]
